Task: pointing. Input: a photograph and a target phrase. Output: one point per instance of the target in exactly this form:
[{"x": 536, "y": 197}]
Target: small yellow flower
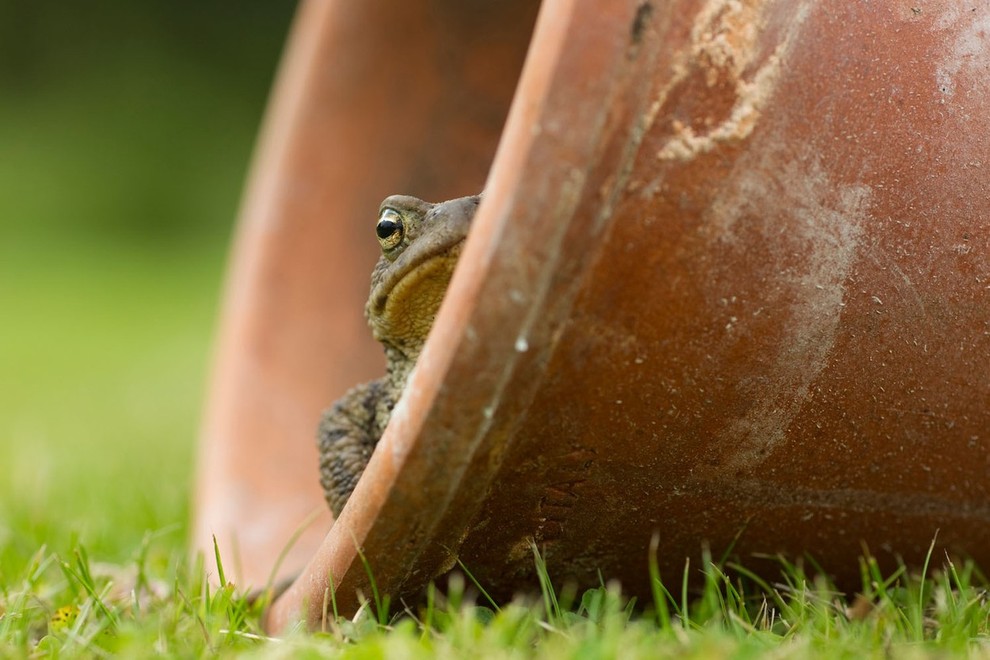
[{"x": 63, "y": 618}]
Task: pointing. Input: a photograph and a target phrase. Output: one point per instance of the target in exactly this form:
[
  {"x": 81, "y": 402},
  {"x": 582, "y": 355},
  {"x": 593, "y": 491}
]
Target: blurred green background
[{"x": 126, "y": 129}]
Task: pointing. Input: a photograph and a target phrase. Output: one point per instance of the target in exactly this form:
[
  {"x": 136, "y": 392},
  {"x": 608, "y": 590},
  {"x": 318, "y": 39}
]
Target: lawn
[
  {"x": 104, "y": 348},
  {"x": 121, "y": 161}
]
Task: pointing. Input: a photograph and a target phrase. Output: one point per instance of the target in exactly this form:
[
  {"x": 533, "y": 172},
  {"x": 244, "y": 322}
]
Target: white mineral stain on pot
[
  {"x": 962, "y": 61},
  {"x": 824, "y": 221}
]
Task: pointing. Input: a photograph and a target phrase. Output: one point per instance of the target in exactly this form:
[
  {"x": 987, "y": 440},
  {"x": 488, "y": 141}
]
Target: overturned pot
[{"x": 729, "y": 283}]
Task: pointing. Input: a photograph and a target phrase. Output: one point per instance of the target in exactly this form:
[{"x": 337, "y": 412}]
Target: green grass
[
  {"x": 104, "y": 370},
  {"x": 106, "y": 349},
  {"x": 66, "y": 605}
]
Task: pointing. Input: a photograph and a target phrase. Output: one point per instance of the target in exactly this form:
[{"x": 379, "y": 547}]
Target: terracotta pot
[{"x": 729, "y": 283}]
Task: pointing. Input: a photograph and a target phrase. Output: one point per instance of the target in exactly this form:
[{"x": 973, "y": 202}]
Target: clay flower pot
[{"x": 729, "y": 283}]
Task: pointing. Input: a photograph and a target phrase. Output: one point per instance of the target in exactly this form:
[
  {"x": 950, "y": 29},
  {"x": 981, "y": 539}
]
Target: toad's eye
[{"x": 390, "y": 230}]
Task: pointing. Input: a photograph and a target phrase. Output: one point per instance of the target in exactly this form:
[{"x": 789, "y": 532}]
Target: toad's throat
[{"x": 404, "y": 304}]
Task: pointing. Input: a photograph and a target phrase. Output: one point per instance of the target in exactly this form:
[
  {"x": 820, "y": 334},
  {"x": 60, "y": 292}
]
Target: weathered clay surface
[{"x": 729, "y": 282}]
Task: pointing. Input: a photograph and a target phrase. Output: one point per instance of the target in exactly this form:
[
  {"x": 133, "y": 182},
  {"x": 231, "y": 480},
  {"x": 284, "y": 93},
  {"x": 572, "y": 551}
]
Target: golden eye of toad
[{"x": 390, "y": 230}]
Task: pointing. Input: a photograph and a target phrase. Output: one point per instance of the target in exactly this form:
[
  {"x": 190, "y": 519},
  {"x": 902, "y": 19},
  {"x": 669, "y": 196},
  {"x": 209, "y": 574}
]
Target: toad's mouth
[{"x": 416, "y": 282}]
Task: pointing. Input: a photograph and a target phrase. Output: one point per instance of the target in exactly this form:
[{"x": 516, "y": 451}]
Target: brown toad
[{"x": 420, "y": 245}]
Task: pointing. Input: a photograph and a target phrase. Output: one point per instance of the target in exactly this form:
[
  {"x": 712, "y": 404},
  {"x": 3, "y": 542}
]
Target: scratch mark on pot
[
  {"x": 909, "y": 291},
  {"x": 768, "y": 496}
]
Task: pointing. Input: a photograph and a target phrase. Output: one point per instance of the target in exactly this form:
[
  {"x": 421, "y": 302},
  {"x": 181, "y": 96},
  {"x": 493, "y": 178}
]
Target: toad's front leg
[{"x": 348, "y": 434}]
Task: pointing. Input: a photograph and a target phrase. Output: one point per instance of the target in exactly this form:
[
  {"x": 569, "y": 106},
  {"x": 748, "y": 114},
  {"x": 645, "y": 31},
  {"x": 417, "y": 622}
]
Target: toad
[{"x": 420, "y": 245}]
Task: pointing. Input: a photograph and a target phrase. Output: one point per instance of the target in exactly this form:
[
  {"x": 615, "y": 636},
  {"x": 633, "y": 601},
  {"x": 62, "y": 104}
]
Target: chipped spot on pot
[
  {"x": 400, "y": 419},
  {"x": 724, "y": 41}
]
